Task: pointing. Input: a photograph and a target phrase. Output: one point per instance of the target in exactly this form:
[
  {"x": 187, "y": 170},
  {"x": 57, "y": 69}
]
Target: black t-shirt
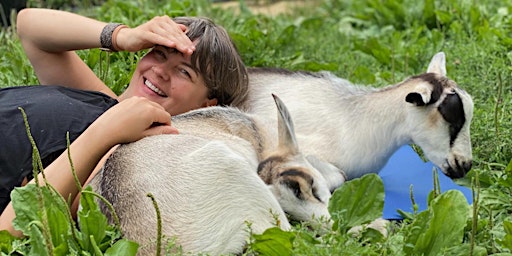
[{"x": 51, "y": 111}]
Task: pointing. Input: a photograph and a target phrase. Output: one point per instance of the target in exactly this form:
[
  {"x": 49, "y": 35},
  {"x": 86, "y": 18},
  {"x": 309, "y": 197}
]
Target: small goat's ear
[
  {"x": 287, "y": 140},
  {"x": 421, "y": 95},
  {"x": 438, "y": 64},
  {"x": 415, "y": 98}
]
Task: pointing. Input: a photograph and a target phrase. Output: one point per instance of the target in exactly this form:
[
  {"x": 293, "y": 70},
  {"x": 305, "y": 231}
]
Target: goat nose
[
  {"x": 459, "y": 169},
  {"x": 466, "y": 166}
]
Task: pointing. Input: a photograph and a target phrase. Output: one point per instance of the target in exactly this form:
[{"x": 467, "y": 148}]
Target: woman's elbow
[
  {"x": 6, "y": 219},
  {"x": 23, "y": 22}
]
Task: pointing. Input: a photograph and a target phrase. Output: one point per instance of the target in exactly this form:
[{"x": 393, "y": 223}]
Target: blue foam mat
[{"x": 404, "y": 168}]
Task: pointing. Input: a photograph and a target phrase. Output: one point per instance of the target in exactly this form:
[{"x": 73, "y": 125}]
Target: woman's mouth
[{"x": 154, "y": 88}]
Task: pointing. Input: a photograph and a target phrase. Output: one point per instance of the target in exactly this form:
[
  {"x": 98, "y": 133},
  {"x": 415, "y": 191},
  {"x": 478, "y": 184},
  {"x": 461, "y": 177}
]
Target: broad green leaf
[
  {"x": 38, "y": 244},
  {"x": 440, "y": 227},
  {"x": 507, "y": 225},
  {"x": 508, "y": 170},
  {"x": 60, "y": 227},
  {"x": 418, "y": 227},
  {"x": 364, "y": 75},
  {"x": 429, "y": 17},
  {"x": 63, "y": 248},
  {"x": 443, "y": 17},
  {"x": 26, "y": 204},
  {"x": 318, "y": 66},
  {"x": 465, "y": 249},
  {"x": 94, "y": 247},
  {"x": 122, "y": 247},
  {"x": 357, "y": 202},
  {"x": 310, "y": 22},
  {"x": 405, "y": 215},
  {"x": 307, "y": 238},
  {"x": 6, "y": 240},
  {"x": 273, "y": 241},
  {"x": 372, "y": 235},
  {"x": 476, "y": 17},
  {"x": 92, "y": 221},
  {"x": 376, "y": 49},
  {"x": 287, "y": 35},
  {"x": 507, "y": 239}
]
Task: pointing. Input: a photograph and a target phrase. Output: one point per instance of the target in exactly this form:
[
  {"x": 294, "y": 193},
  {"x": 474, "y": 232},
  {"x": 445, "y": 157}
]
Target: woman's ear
[{"x": 210, "y": 102}]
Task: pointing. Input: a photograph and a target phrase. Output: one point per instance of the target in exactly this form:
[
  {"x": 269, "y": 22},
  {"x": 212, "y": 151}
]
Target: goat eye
[
  {"x": 294, "y": 186},
  {"x": 315, "y": 194}
]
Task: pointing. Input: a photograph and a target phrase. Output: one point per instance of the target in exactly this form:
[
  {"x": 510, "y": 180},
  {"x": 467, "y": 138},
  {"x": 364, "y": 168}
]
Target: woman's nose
[{"x": 161, "y": 72}]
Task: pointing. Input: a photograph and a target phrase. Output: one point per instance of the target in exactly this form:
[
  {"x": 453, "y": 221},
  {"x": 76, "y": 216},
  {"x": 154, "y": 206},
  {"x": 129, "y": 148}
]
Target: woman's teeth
[{"x": 153, "y": 88}]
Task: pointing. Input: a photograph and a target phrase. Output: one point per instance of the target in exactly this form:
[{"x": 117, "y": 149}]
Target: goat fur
[{"x": 206, "y": 181}]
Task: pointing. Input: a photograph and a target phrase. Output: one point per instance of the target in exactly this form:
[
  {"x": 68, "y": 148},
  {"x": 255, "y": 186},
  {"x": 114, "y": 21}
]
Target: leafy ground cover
[{"x": 368, "y": 42}]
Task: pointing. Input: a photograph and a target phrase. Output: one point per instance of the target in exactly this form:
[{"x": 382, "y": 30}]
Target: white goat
[
  {"x": 356, "y": 129},
  {"x": 206, "y": 181}
]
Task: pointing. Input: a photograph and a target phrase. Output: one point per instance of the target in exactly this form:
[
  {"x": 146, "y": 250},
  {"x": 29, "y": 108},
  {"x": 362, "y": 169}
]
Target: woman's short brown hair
[{"x": 217, "y": 60}]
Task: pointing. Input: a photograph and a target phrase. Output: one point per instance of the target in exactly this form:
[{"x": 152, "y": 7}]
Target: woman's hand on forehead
[{"x": 160, "y": 30}]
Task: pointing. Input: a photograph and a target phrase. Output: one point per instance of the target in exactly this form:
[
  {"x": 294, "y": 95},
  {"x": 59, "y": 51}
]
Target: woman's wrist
[
  {"x": 108, "y": 37},
  {"x": 100, "y": 136}
]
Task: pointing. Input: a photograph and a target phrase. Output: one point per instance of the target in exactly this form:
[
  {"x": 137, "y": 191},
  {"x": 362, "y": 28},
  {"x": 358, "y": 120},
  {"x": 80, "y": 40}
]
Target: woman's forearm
[
  {"x": 49, "y": 38},
  {"x": 58, "y": 31}
]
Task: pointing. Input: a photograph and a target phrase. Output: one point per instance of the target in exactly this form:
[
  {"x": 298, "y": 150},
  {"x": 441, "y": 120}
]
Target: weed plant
[{"x": 367, "y": 42}]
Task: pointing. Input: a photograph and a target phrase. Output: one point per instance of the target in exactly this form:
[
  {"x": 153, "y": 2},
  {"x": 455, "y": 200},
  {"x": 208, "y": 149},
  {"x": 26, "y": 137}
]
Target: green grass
[{"x": 367, "y": 42}]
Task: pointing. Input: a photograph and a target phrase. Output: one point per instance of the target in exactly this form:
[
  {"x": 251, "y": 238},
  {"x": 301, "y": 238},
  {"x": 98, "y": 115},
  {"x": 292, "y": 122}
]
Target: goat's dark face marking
[
  {"x": 266, "y": 167},
  {"x": 298, "y": 179},
  {"x": 300, "y": 182},
  {"x": 451, "y": 107},
  {"x": 452, "y": 111}
]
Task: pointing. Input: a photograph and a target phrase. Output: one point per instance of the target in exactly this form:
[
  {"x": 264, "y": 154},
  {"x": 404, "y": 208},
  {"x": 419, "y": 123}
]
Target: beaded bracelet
[{"x": 109, "y": 35}]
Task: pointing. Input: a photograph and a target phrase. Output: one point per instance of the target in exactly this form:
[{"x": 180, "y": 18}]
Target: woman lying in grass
[{"x": 192, "y": 64}]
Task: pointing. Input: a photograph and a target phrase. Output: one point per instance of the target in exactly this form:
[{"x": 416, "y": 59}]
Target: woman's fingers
[
  {"x": 133, "y": 119},
  {"x": 160, "y": 30},
  {"x": 161, "y": 129},
  {"x": 176, "y": 35}
]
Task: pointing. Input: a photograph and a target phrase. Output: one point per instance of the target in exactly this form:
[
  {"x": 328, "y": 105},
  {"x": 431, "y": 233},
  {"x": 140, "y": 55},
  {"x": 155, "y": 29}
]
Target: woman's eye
[
  {"x": 186, "y": 73},
  {"x": 160, "y": 54}
]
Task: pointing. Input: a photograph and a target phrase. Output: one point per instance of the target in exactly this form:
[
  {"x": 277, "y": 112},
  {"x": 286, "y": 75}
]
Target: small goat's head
[
  {"x": 299, "y": 188},
  {"x": 301, "y": 193},
  {"x": 443, "y": 119}
]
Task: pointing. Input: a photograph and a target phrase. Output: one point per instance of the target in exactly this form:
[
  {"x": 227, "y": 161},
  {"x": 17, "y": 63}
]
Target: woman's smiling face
[{"x": 167, "y": 77}]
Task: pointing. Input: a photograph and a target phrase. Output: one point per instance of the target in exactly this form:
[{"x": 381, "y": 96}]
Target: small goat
[
  {"x": 206, "y": 181},
  {"x": 356, "y": 129}
]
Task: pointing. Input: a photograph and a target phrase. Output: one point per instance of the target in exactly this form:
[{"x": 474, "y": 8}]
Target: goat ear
[
  {"x": 421, "y": 95},
  {"x": 438, "y": 64},
  {"x": 415, "y": 98},
  {"x": 286, "y": 133}
]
